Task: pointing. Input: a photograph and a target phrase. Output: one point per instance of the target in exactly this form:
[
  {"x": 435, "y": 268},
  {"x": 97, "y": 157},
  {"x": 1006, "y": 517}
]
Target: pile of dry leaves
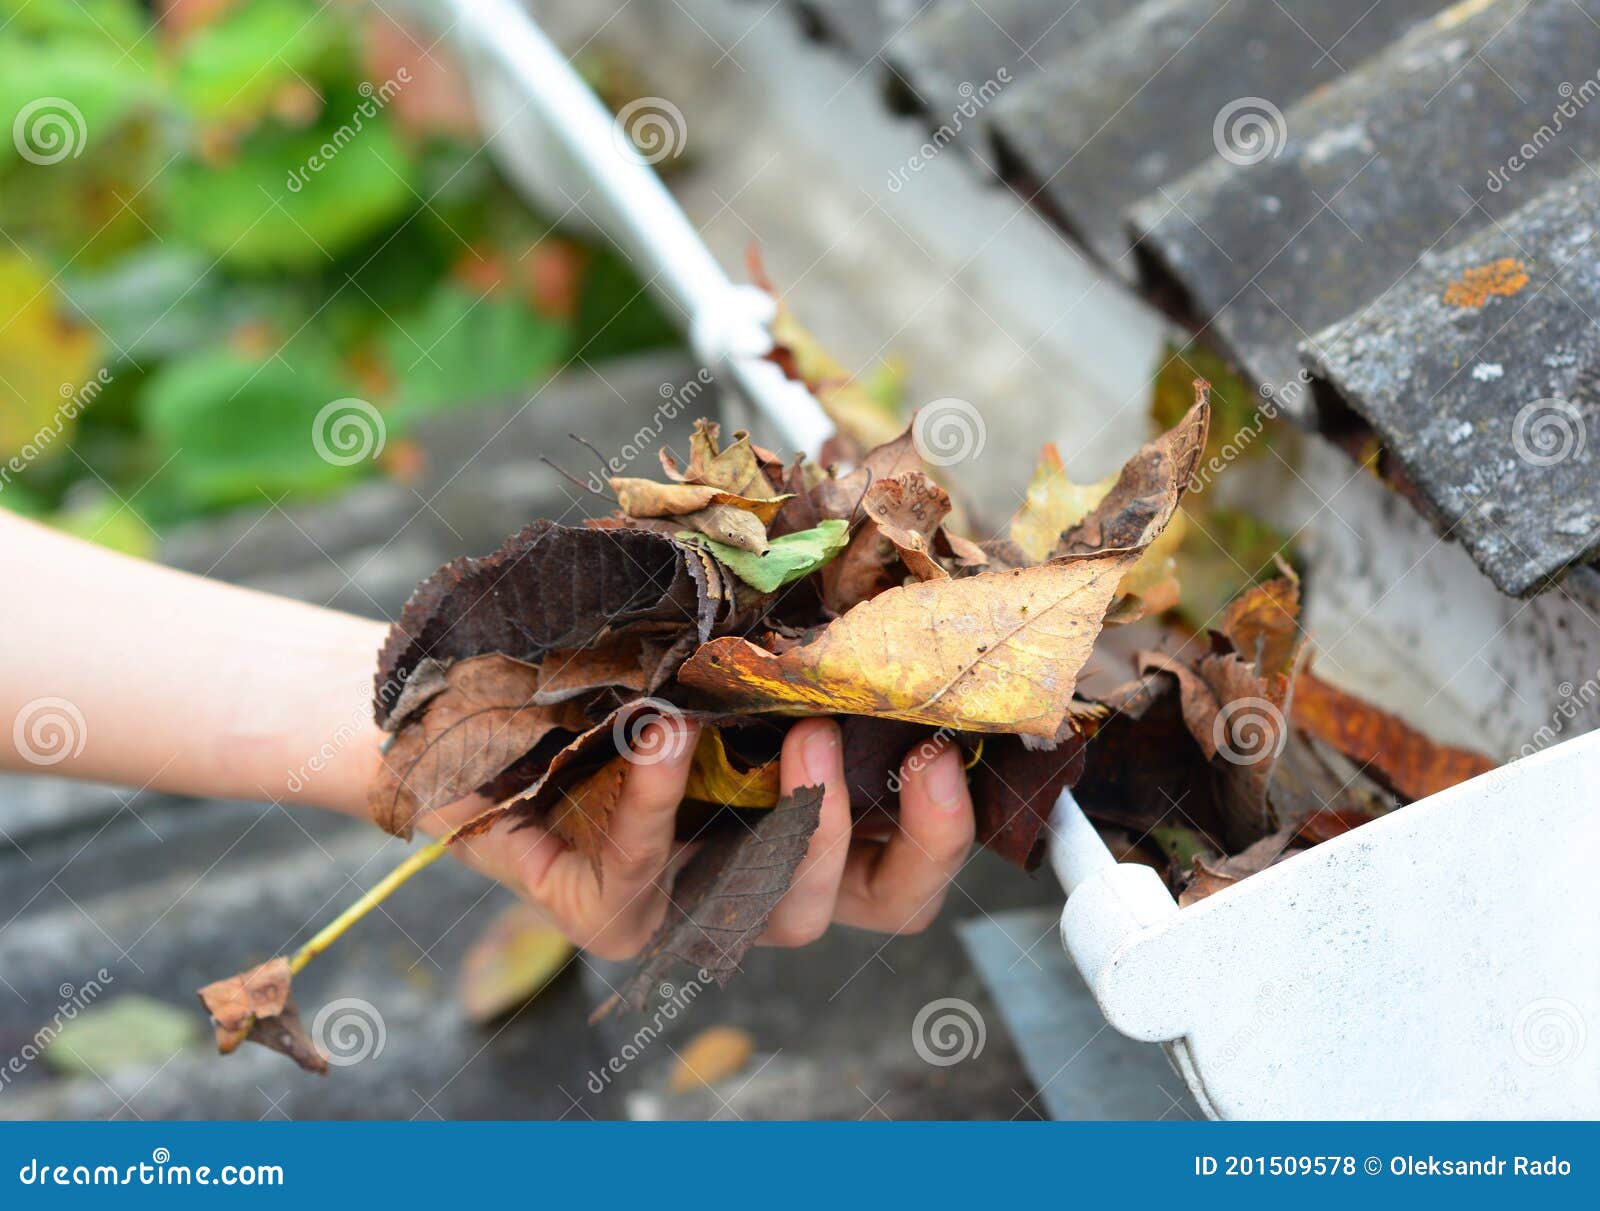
[{"x": 746, "y": 591}]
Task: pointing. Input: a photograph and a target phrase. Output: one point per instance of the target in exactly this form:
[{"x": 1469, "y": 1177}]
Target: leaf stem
[{"x": 377, "y": 894}]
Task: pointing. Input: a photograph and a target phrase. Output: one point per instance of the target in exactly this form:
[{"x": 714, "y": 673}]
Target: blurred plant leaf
[
  {"x": 235, "y": 428},
  {"x": 121, "y": 1033},
  {"x": 269, "y": 209},
  {"x": 514, "y": 958},
  {"x": 235, "y": 68},
  {"x": 712, "y": 1055},
  {"x": 44, "y": 359},
  {"x": 463, "y": 348},
  {"x": 158, "y": 302},
  {"x": 109, "y": 522}
]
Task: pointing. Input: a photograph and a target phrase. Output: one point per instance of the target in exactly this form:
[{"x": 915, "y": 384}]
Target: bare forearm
[{"x": 124, "y": 671}]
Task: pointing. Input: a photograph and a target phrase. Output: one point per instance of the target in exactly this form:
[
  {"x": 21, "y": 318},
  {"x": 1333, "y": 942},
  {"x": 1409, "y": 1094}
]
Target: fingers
[
  {"x": 899, "y": 887},
  {"x": 614, "y": 919},
  {"x": 812, "y": 756}
]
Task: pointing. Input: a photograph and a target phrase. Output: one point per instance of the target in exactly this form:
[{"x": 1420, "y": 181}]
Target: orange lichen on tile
[{"x": 1475, "y": 286}]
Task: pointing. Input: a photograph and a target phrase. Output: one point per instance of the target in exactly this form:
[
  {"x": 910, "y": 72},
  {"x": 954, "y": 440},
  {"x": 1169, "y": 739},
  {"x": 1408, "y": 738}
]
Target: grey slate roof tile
[
  {"x": 1116, "y": 116},
  {"x": 939, "y": 60},
  {"x": 1481, "y": 373},
  {"x": 1382, "y": 167},
  {"x": 1397, "y": 145}
]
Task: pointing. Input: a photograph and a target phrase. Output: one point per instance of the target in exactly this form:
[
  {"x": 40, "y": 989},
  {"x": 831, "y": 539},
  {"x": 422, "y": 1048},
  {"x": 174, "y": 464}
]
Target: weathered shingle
[
  {"x": 860, "y": 26},
  {"x": 956, "y": 47},
  {"x": 1381, "y": 168},
  {"x": 1116, "y": 116},
  {"x": 1481, "y": 373}
]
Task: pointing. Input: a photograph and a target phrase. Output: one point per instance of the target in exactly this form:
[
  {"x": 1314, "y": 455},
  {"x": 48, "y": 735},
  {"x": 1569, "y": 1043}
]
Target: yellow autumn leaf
[
  {"x": 517, "y": 955},
  {"x": 712, "y": 778},
  {"x": 45, "y": 362},
  {"x": 712, "y": 1055}
]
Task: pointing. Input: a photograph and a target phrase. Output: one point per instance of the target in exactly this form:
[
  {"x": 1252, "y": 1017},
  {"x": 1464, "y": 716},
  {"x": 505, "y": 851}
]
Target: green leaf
[
  {"x": 119, "y": 23},
  {"x": 62, "y": 102},
  {"x": 787, "y": 559},
  {"x": 295, "y": 199},
  {"x": 464, "y": 348},
  {"x": 129, "y": 1031},
  {"x": 235, "y": 67},
  {"x": 236, "y": 430},
  {"x": 158, "y": 302},
  {"x": 109, "y": 522}
]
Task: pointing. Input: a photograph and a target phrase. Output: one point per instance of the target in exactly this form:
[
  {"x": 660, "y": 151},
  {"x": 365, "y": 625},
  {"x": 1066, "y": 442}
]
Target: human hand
[{"x": 896, "y": 885}]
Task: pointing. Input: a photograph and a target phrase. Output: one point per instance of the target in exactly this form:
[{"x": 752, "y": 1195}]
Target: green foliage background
[{"x": 199, "y": 276}]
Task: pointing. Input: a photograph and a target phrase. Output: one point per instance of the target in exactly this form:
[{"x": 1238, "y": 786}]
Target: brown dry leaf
[
  {"x": 1395, "y": 753},
  {"x": 713, "y": 779},
  {"x": 1205, "y": 881},
  {"x": 723, "y": 896},
  {"x": 511, "y": 961},
  {"x": 1141, "y": 501},
  {"x": 648, "y": 498},
  {"x": 713, "y": 1055},
  {"x": 839, "y": 496},
  {"x": 725, "y": 523},
  {"x": 548, "y": 587},
  {"x": 1262, "y": 622},
  {"x": 995, "y": 652},
  {"x": 256, "y": 1005},
  {"x": 1053, "y": 504},
  {"x": 482, "y": 722},
  {"x": 582, "y": 816},
  {"x": 909, "y": 510},
  {"x": 736, "y": 469}
]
